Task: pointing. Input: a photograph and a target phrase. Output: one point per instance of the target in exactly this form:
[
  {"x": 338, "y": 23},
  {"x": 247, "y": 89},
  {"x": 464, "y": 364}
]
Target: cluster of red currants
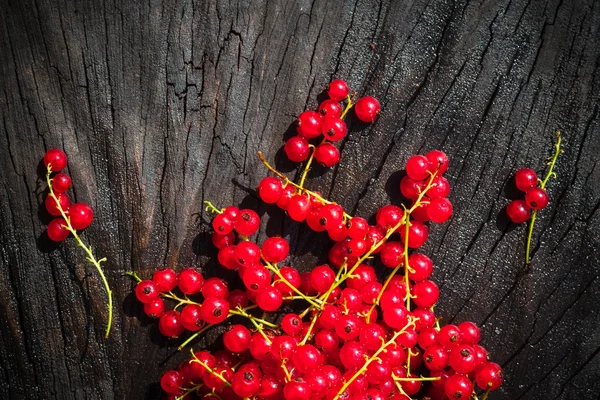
[
  {"x": 328, "y": 121},
  {"x": 536, "y": 198},
  {"x": 359, "y": 337},
  {"x": 79, "y": 215}
]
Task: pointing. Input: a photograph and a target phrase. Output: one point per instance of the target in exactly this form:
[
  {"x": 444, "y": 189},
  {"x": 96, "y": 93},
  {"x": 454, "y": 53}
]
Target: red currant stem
[
  {"x": 349, "y": 105},
  {"x": 308, "y": 163},
  {"x": 173, "y": 296},
  {"x": 288, "y": 181},
  {"x": 210, "y": 370},
  {"x": 551, "y": 163},
  {"x": 410, "y": 354},
  {"x": 259, "y": 328},
  {"x": 309, "y": 330},
  {"x": 288, "y": 374},
  {"x": 134, "y": 275},
  {"x": 188, "y": 391},
  {"x": 195, "y": 335},
  {"x": 406, "y": 267},
  {"x": 241, "y": 312},
  {"x": 421, "y": 378},
  {"x": 275, "y": 270},
  {"x": 87, "y": 249},
  {"x": 385, "y": 285},
  {"x": 363, "y": 369},
  {"x": 211, "y": 208},
  {"x": 400, "y": 389},
  {"x": 342, "y": 270},
  {"x": 485, "y": 394}
]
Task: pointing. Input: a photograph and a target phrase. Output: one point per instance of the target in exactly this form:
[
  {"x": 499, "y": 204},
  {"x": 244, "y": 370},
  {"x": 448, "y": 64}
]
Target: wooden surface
[{"x": 163, "y": 104}]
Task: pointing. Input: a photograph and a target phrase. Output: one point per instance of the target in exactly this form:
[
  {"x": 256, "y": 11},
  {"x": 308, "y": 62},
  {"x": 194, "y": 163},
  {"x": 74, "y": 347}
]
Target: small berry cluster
[
  {"x": 328, "y": 121},
  {"x": 70, "y": 217},
  {"x": 358, "y": 337}
]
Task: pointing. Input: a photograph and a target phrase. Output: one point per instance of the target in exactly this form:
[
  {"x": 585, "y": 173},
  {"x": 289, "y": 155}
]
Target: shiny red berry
[
  {"x": 296, "y": 149},
  {"x": 367, "y": 109},
  {"x": 171, "y": 382},
  {"x": 57, "y": 230},
  {"x": 215, "y": 287},
  {"x": 330, "y": 109},
  {"x": 327, "y": 154},
  {"x": 439, "y": 210},
  {"x": 418, "y": 167},
  {"x": 269, "y": 299},
  {"x": 80, "y": 215},
  {"x": 214, "y": 310},
  {"x": 275, "y": 249},
  {"x": 247, "y": 222},
  {"x": 463, "y": 359},
  {"x": 518, "y": 211},
  {"x": 55, "y": 207},
  {"x": 61, "y": 182},
  {"x": 166, "y": 279},
  {"x": 270, "y": 190},
  {"x": 308, "y": 124},
  {"x": 56, "y": 158},
  {"x": 190, "y": 281},
  {"x": 417, "y": 234},
  {"x": 155, "y": 308},
  {"x": 536, "y": 198},
  {"x": 298, "y": 207},
  {"x": 525, "y": 179},
  {"x": 236, "y": 338},
  {"x": 334, "y": 129},
  {"x": 458, "y": 387},
  {"x": 338, "y": 90},
  {"x": 489, "y": 376},
  {"x": 425, "y": 294},
  {"x": 438, "y": 158},
  {"x": 191, "y": 317},
  {"x": 146, "y": 291},
  {"x": 170, "y": 324}
]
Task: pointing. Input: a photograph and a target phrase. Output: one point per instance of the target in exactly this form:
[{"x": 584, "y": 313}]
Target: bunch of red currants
[{"x": 356, "y": 336}]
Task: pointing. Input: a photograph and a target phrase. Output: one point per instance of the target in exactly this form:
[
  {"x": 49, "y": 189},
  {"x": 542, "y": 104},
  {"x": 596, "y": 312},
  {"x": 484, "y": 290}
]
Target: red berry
[
  {"x": 438, "y": 158},
  {"x": 371, "y": 335},
  {"x": 334, "y": 129},
  {"x": 270, "y": 190},
  {"x": 223, "y": 224},
  {"x": 330, "y": 109},
  {"x": 275, "y": 249},
  {"x": 283, "y": 347},
  {"x": 411, "y": 188},
  {"x": 439, "y": 210},
  {"x": 291, "y": 324},
  {"x": 215, "y": 310},
  {"x": 259, "y": 346},
  {"x": 246, "y": 381},
  {"x": 470, "y": 333},
  {"x": 292, "y": 276},
  {"x": 350, "y": 300},
  {"x": 489, "y": 376},
  {"x": 256, "y": 277},
  {"x": 80, "y": 215},
  {"x": 418, "y": 167},
  {"x": 421, "y": 267},
  {"x": 54, "y": 208},
  {"x": 247, "y": 222},
  {"x": 449, "y": 335},
  {"x": 296, "y": 149},
  {"x": 389, "y": 216},
  {"x": 155, "y": 308},
  {"x": 170, "y": 324},
  {"x": 146, "y": 291},
  {"x": 61, "y": 182},
  {"x": 190, "y": 281},
  {"x": 247, "y": 253},
  {"x": 307, "y": 358},
  {"x": 289, "y": 191},
  {"x": 327, "y": 154},
  {"x": 321, "y": 278},
  {"x": 338, "y": 90},
  {"x": 327, "y": 340},
  {"x": 378, "y": 371},
  {"x": 352, "y": 355},
  {"x": 270, "y": 299},
  {"x": 518, "y": 211},
  {"x": 439, "y": 188},
  {"x": 298, "y": 207},
  {"x": 215, "y": 287},
  {"x": 362, "y": 274},
  {"x": 420, "y": 211},
  {"x": 308, "y": 124},
  {"x": 348, "y": 327},
  {"x": 525, "y": 178},
  {"x": 171, "y": 381},
  {"x": 237, "y": 298},
  {"x": 166, "y": 279},
  {"x": 56, "y": 158},
  {"x": 318, "y": 382},
  {"x": 458, "y": 387},
  {"x": 427, "y": 338},
  {"x": 396, "y": 318},
  {"x": 57, "y": 230},
  {"x": 392, "y": 254},
  {"x": 191, "y": 317},
  {"x": 367, "y": 108},
  {"x": 297, "y": 389},
  {"x": 330, "y": 316},
  {"x": 357, "y": 227},
  {"x": 425, "y": 294},
  {"x": 463, "y": 359},
  {"x": 417, "y": 234},
  {"x": 426, "y": 318},
  {"x": 236, "y": 338},
  {"x": 536, "y": 198},
  {"x": 370, "y": 291},
  {"x": 374, "y": 235},
  {"x": 270, "y": 388}
]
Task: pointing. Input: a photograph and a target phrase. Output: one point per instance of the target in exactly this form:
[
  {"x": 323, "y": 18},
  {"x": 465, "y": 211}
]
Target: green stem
[
  {"x": 385, "y": 285},
  {"x": 210, "y": 207},
  {"x": 276, "y": 271},
  {"x": 88, "y": 250},
  {"x": 307, "y": 166},
  {"x": 551, "y": 163},
  {"x": 242, "y": 313},
  {"x": 310, "y": 328},
  {"x": 349, "y": 105}
]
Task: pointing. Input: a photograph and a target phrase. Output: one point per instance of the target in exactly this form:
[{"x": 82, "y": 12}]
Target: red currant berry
[
  {"x": 55, "y": 208},
  {"x": 536, "y": 198},
  {"x": 307, "y": 358},
  {"x": 297, "y": 389},
  {"x": 61, "y": 182},
  {"x": 330, "y": 316},
  {"x": 392, "y": 254},
  {"x": 357, "y": 227},
  {"x": 427, "y": 338},
  {"x": 330, "y": 109},
  {"x": 223, "y": 224},
  {"x": 391, "y": 298},
  {"x": 165, "y": 279},
  {"x": 458, "y": 387},
  {"x": 449, "y": 335},
  {"x": 370, "y": 291},
  {"x": 337, "y": 232},
  {"x": 426, "y": 318},
  {"x": 378, "y": 371},
  {"x": 56, "y": 158},
  {"x": 237, "y": 298},
  {"x": 371, "y": 335},
  {"x": 411, "y": 387},
  {"x": 155, "y": 308},
  {"x": 289, "y": 191},
  {"x": 214, "y": 310},
  {"x": 270, "y": 190},
  {"x": 375, "y": 234},
  {"x": 226, "y": 257},
  {"x": 396, "y": 317},
  {"x": 215, "y": 287},
  {"x": 348, "y": 327},
  {"x": 389, "y": 216},
  {"x": 256, "y": 278},
  {"x": 246, "y": 381},
  {"x": 298, "y": 207},
  {"x": 291, "y": 324},
  {"x": 57, "y": 230},
  {"x": 170, "y": 324},
  {"x": 489, "y": 376},
  {"x": 420, "y": 267},
  {"x": 297, "y": 149},
  {"x": 470, "y": 333},
  {"x": 283, "y": 347},
  {"x": 525, "y": 178},
  {"x": 270, "y": 299},
  {"x": 438, "y": 158},
  {"x": 146, "y": 291},
  {"x": 275, "y": 249},
  {"x": 417, "y": 234},
  {"x": 334, "y": 129},
  {"x": 350, "y": 300},
  {"x": 463, "y": 359},
  {"x": 439, "y": 210},
  {"x": 270, "y": 388},
  {"x": 367, "y": 108},
  {"x": 418, "y": 167},
  {"x": 327, "y": 340},
  {"x": 440, "y": 188},
  {"x": 191, "y": 318},
  {"x": 259, "y": 346},
  {"x": 190, "y": 281},
  {"x": 80, "y": 215},
  {"x": 321, "y": 278},
  {"x": 319, "y": 384},
  {"x": 327, "y": 154},
  {"x": 420, "y": 211},
  {"x": 171, "y": 382},
  {"x": 362, "y": 274},
  {"x": 247, "y": 222},
  {"x": 236, "y": 338},
  {"x": 247, "y": 253},
  {"x": 308, "y": 124},
  {"x": 411, "y": 188},
  {"x": 425, "y": 294},
  {"x": 518, "y": 211},
  {"x": 292, "y": 276},
  {"x": 352, "y": 355},
  {"x": 338, "y": 90}
]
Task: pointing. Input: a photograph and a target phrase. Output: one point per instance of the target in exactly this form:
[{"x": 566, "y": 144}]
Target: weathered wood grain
[{"x": 163, "y": 104}]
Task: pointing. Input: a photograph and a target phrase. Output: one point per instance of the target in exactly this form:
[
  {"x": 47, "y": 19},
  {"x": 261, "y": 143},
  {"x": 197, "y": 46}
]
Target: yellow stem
[
  {"x": 88, "y": 250},
  {"x": 312, "y": 324},
  {"x": 385, "y": 285},
  {"x": 349, "y": 105}
]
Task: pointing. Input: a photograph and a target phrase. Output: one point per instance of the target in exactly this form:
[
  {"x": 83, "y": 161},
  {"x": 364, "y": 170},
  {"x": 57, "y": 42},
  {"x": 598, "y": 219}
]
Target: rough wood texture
[{"x": 163, "y": 104}]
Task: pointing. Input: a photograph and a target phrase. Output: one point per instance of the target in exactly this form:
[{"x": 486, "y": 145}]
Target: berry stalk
[{"x": 87, "y": 249}]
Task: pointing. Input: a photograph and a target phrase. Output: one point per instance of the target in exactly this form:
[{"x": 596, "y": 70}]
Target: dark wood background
[{"x": 163, "y": 104}]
